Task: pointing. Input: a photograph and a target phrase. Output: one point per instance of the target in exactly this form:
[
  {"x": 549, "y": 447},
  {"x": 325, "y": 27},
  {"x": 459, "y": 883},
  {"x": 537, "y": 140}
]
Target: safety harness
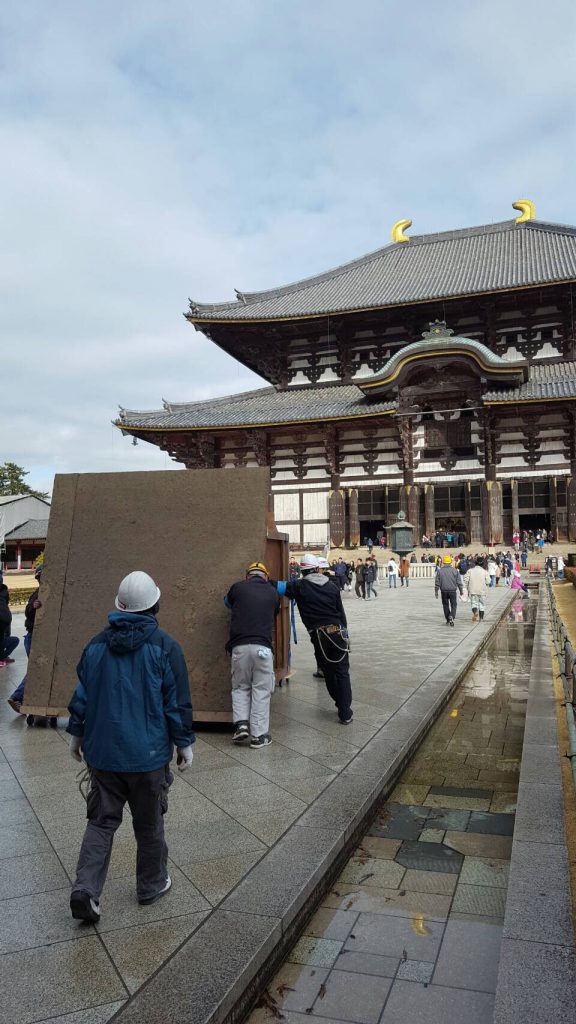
[{"x": 333, "y": 638}]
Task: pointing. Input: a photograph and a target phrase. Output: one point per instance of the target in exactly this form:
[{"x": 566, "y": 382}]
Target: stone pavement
[
  {"x": 412, "y": 928},
  {"x": 225, "y": 815}
]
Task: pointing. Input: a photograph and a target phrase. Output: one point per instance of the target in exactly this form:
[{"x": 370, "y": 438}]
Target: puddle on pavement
[{"x": 414, "y": 922}]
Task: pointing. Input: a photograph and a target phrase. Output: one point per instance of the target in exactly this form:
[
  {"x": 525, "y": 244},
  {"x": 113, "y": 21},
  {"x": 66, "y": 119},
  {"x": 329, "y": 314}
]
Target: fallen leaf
[
  {"x": 349, "y": 904},
  {"x": 366, "y": 877},
  {"x": 322, "y": 991},
  {"x": 269, "y": 1003},
  {"x": 284, "y": 988},
  {"x": 404, "y": 955},
  {"x": 352, "y": 936},
  {"x": 402, "y": 892}
]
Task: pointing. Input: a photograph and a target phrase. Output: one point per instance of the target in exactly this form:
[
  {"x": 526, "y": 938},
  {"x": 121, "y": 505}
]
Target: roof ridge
[{"x": 249, "y": 298}]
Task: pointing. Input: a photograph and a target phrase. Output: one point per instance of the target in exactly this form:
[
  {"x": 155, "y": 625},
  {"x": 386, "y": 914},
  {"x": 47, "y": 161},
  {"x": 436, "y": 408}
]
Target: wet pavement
[
  {"x": 225, "y": 814},
  {"x": 411, "y": 930}
]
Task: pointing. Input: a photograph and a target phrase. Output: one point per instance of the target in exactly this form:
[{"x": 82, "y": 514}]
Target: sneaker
[
  {"x": 241, "y": 732},
  {"x": 162, "y": 892},
  {"x": 345, "y": 720},
  {"x": 53, "y": 723},
  {"x": 317, "y": 675},
  {"x": 29, "y": 719},
  {"x": 84, "y": 907},
  {"x": 15, "y": 705},
  {"x": 261, "y": 741},
  {"x": 9, "y": 661},
  {"x": 450, "y": 622}
]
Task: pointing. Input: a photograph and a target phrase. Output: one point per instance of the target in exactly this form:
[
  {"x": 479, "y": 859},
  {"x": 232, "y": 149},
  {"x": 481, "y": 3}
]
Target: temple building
[{"x": 436, "y": 376}]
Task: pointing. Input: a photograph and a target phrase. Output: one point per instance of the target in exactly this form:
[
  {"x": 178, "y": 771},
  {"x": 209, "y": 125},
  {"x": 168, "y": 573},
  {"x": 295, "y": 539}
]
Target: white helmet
[
  {"x": 309, "y": 562},
  {"x": 137, "y": 593}
]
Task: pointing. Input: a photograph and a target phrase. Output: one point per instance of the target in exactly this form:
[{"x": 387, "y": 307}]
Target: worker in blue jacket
[{"x": 131, "y": 707}]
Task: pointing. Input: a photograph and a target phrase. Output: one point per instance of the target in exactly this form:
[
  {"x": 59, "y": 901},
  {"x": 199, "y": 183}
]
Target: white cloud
[{"x": 156, "y": 151}]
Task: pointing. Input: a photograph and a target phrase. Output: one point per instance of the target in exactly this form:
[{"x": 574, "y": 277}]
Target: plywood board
[{"x": 193, "y": 531}]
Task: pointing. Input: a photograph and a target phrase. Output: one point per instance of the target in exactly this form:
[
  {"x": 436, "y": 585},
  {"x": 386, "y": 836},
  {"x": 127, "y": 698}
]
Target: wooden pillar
[
  {"x": 353, "y": 520},
  {"x": 18, "y": 556},
  {"x": 515, "y": 506},
  {"x": 429, "y": 511},
  {"x": 571, "y": 507},
  {"x": 337, "y": 516},
  {"x": 410, "y": 503},
  {"x": 492, "y": 512},
  {"x": 553, "y": 492}
]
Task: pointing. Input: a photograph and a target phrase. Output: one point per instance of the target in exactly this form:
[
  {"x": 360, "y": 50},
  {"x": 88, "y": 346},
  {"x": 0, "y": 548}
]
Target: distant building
[
  {"x": 23, "y": 530},
  {"x": 436, "y": 375}
]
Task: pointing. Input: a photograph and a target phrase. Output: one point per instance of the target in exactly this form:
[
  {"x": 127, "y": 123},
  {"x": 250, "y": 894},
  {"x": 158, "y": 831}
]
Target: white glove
[
  {"x": 184, "y": 758},
  {"x": 74, "y": 748}
]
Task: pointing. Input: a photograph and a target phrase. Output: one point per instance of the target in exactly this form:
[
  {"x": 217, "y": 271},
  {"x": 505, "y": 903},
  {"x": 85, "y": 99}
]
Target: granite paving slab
[
  {"x": 409, "y": 1002},
  {"x": 234, "y": 805}
]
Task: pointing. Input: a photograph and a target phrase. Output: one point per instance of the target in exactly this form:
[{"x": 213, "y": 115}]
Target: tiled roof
[
  {"x": 33, "y": 529},
  {"x": 338, "y": 401},
  {"x": 266, "y": 405},
  {"x": 557, "y": 380},
  {"x": 469, "y": 261}
]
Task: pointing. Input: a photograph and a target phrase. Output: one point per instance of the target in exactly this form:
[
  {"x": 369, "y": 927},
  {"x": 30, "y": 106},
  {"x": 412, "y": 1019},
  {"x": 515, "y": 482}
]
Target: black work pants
[
  {"x": 336, "y": 674},
  {"x": 449, "y": 601},
  {"x": 360, "y": 588},
  {"x": 146, "y": 793}
]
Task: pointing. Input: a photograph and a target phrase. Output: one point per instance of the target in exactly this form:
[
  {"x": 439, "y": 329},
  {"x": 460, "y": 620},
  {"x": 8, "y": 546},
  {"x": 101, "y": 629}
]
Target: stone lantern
[{"x": 401, "y": 534}]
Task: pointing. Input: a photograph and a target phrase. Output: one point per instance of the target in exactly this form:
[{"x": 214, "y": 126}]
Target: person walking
[
  {"x": 476, "y": 580},
  {"x": 448, "y": 580},
  {"x": 392, "y": 569},
  {"x": 32, "y": 605},
  {"x": 360, "y": 573},
  {"x": 131, "y": 707},
  {"x": 340, "y": 570},
  {"x": 371, "y": 575},
  {"x": 560, "y": 567},
  {"x": 320, "y": 605},
  {"x": 254, "y": 605},
  {"x": 8, "y": 643},
  {"x": 492, "y": 571},
  {"x": 404, "y": 571}
]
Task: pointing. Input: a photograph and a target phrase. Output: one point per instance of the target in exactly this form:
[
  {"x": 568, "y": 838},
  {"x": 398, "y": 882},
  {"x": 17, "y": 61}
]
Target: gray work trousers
[
  {"x": 146, "y": 794},
  {"x": 253, "y": 684}
]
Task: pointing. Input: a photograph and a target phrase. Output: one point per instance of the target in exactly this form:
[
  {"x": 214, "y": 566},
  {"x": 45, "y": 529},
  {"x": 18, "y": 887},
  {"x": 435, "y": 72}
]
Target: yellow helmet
[
  {"x": 256, "y": 567},
  {"x": 447, "y": 560}
]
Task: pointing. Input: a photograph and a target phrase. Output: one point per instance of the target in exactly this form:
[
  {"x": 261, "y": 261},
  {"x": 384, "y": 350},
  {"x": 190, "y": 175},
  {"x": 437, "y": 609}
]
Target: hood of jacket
[
  {"x": 128, "y": 631},
  {"x": 317, "y": 578}
]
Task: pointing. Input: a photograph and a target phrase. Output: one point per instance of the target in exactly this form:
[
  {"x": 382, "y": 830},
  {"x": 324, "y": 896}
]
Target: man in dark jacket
[
  {"x": 255, "y": 605},
  {"x": 32, "y": 606},
  {"x": 8, "y": 643},
  {"x": 130, "y": 708},
  {"x": 448, "y": 581},
  {"x": 322, "y": 612}
]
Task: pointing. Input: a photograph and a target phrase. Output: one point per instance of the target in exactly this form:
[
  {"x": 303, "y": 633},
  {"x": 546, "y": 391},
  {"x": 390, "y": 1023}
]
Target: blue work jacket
[{"x": 132, "y": 703}]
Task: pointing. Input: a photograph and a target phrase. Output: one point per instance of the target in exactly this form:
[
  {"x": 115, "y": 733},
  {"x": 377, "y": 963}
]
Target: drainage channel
[{"x": 411, "y": 929}]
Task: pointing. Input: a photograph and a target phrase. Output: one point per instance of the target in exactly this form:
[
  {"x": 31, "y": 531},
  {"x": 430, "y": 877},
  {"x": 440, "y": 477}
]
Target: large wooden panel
[{"x": 194, "y": 532}]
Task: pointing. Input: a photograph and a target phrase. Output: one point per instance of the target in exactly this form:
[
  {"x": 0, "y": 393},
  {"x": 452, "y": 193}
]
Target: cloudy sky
[{"x": 153, "y": 151}]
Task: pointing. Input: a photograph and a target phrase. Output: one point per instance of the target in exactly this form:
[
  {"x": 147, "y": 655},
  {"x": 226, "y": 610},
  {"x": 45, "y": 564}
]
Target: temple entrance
[
  {"x": 453, "y": 529},
  {"x": 371, "y": 528},
  {"x": 534, "y": 521}
]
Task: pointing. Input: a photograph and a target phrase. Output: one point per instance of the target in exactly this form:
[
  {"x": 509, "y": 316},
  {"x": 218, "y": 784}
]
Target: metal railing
[{"x": 566, "y": 656}]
